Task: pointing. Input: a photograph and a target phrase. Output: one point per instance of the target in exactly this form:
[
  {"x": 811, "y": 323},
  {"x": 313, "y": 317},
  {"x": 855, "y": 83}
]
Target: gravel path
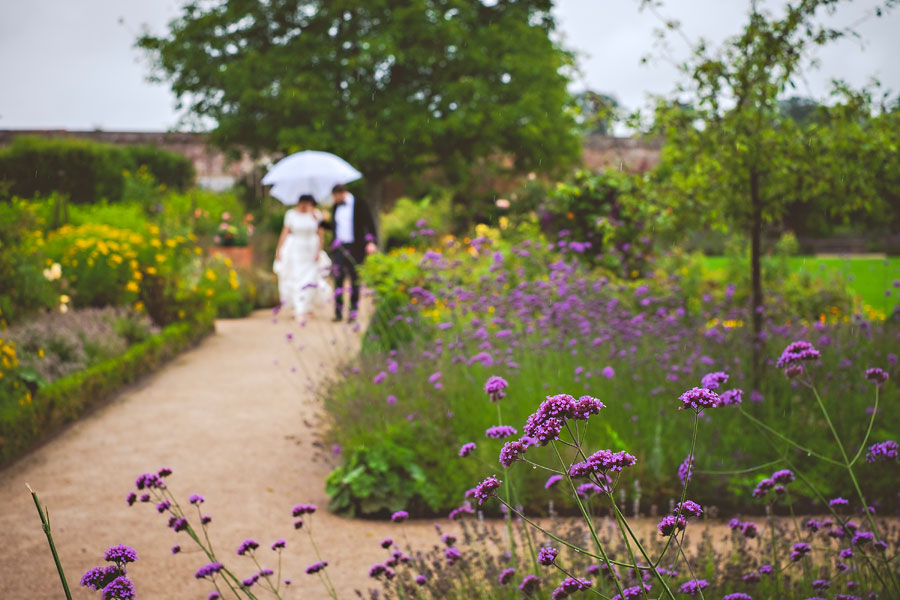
[{"x": 237, "y": 426}]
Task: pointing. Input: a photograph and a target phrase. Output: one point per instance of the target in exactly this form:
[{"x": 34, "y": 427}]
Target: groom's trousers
[{"x": 345, "y": 268}]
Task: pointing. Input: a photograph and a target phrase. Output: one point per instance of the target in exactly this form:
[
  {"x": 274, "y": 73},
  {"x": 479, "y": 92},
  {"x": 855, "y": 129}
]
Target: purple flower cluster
[
  {"x": 316, "y": 567},
  {"x": 506, "y": 576},
  {"x": 399, "y": 516},
  {"x": 800, "y": 550},
  {"x": 120, "y": 554},
  {"x": 511, "y": 452},
  {"x": 795, "y": 353},
  {"x": 731, "y": 397},
  {"x": 303, "y": 509},
  {"x": 569, "y": 586},
  {"x": 548, "y": 421},
  {"x": 747, "y": 528},
  {"x": 247, "y": 546},
  {"x": 636, "y": 591},
  {"x": 466, "y": 449},
  {"x": 737, "y": 596},
  {"x": 530, "y": 584},
  {"x": 500, "y": 432},
  {"x": 669, "y": 524},
  {"x": 882, "y": 451},
  {"x": 601, "y": 462},
  {"x": 494, "y": 388},
  {"x": 693, "y": 586},
  {"x": 712, "y": 381},
  {"x": 546, "y": 555},
  {"x": 697, "y": 399},
  {"x": 486, "y": 488},
  {"x": 209, "y": 570},
  {"x": 452, "y": 555},
  {"x": 877, "y": 376}
]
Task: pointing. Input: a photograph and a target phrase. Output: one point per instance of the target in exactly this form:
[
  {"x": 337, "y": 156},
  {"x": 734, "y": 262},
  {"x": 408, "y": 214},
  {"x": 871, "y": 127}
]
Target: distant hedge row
[{"x": 84, "y": 170}]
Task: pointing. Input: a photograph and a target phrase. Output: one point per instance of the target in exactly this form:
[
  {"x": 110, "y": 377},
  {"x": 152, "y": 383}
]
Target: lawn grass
[{"x": 869, "y": 277}]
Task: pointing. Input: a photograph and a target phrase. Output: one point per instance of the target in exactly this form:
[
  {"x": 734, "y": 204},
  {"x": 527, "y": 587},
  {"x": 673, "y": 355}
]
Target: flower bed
[
  {"x": 537, "y": 317},
  {"x": 26, "y": 418}
]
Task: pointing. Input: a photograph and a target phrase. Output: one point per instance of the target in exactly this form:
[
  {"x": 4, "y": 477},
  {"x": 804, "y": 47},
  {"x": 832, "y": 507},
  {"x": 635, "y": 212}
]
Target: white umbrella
[{"x": 308, "y": 172}]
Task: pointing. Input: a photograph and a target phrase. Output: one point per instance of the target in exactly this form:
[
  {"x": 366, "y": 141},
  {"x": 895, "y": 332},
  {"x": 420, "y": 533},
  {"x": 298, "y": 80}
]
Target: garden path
[{"x": 237, "y": 426}]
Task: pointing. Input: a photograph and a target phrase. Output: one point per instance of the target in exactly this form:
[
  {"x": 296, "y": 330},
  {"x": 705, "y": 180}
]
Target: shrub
[
  {"x": 82, "y": 170},
  {"x": 26, "y": 278},
  {"x": 400, "y": 226},
  {"x": 168, "y": 168}
]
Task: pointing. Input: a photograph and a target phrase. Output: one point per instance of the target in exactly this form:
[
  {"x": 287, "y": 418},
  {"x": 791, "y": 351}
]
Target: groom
[{"x": 354, "y": 239}]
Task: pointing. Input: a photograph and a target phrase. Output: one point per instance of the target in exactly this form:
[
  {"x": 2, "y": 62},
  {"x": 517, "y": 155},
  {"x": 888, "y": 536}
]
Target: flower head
[
  {"x": 697, "y": 399},
  {"x": 120, "y": 554},
  {"x": 316, "y": 567},
  {"x": 208, "y": 570},
  {"x": 731, "y": 397},
  {"x": 693, "y": 586},
  {"x": 500, "y": 432},
  {"x": 399, "y": 516},
  {"x": 882, "y": 451},
  {"x": 196, "y": 499},
  {"x": 247, "y": 546},
  {"x": 494, "y": 388},
  {"x": 279, "y": 544},
  {"x": 98, "y": 577},
  {"x": 505, "y": 576},
  {"x": 485, "y": 489},
  {"x": 688, "y": 507},
  {"x": 530, "y": 584},
  {"x": 466, "y": 449},
  {"x": 552, "y": 480},
  {"x": 303, "y": 509},
  {"x": 120, "y": 588},
  {"x": 511, "y": 452},
  {"x": 546, "y": 555},
  {"x": 877, "y": 376},
  {"x": 670, "y": 524},
  {"x": 783, "y": 476},
  {"x": 712, "y": 381},
  {"x": 795, "y": 353}
]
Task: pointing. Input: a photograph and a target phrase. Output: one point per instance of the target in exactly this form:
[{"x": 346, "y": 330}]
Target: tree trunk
[
  {"x": 756, "y": 303},
  {"x": 374, "y": 192}
]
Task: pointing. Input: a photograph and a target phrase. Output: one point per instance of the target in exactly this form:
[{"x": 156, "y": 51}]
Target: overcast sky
[{"x": 72, "y": 65}]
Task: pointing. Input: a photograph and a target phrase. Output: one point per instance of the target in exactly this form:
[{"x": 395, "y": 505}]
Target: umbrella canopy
[{"x": 308, "y": 172}]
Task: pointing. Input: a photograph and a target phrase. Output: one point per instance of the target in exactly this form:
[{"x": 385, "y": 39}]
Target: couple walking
[{"x": 301, "y": 263}]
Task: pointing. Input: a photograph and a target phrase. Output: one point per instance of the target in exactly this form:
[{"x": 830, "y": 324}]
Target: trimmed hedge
[
  {"x": 84, "y": 170},
  {"x": 63, "y": 401}
]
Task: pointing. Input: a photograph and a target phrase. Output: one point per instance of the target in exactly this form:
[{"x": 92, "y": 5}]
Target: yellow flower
[
  {"x": 132, "y": 286},
  {"x": 64, "y": 299},
  {"x": 41, "y": 352},
  {"x": 138, "y": 275},
  {"x": 151, "y": 270},
  {"x": 209, "y": 292},
  {"x": 171, "y": 243},
  {"x": 160, "y": 258},
  {"x": 210, "y": 274},
  {"x": 228, "y": 262},
  {"x": 198, "y": 250},
  {"x": 139, "y": 306}
]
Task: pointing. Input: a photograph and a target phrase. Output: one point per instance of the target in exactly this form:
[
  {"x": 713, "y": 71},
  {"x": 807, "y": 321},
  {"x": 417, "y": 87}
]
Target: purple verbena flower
[
  {"x": 712, "y": 381},
  {"x": 399, "y": 516},
  {"x": 795, "y": 353},
  {"x": 500, "y": 432},
  {"x": 506, "y": 576},
  {"x": 737, "y": 596},
  {"x": 688, "y": 507},
  {"x": 882, "y": 451},
  {"x": 466, "y": 449},
  {"x": 552, "y": 480},
  {"x": 511, "y": 452},
  {"x": 247, "y": 546},
  {"x": 494, "y": 388},
  {"x": 303, "y": 509},
  {"x": 877, "y": 376},
  {"x": 98, "y": 577},
  {"x": 208, "y": 570},
  {"x": 120, "y": 588},
  {"x": 120, "y": 554},
  {"x": 485, "y": 489},
  {"x": 697, "y": 399},
  {"x": 731, "y": 397},
  {"x": 196, "y": 499},
  {"x": 546, "y": 555},
  {"x": 783, "y": 476},
  {"x": 530, "y": 584},
  {"x": 693, "y": 586},
  {"x": 670, "y": 524},
  {"x": 279, "y": 544},
  {"x": 452, "y": 555},
  {"x": 316, "y": 567}
]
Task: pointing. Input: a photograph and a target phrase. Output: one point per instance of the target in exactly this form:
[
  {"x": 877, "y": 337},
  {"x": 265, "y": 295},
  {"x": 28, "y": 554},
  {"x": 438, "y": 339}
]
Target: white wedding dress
[{"x": 302, "y": 283}]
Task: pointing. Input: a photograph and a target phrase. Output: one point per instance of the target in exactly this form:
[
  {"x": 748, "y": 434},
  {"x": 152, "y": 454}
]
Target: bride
[{"x": 300, "y": 262}]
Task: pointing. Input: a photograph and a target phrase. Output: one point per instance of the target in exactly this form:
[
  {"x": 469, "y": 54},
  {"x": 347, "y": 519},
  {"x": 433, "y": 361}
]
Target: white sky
[{"x": 72, "y": 64}]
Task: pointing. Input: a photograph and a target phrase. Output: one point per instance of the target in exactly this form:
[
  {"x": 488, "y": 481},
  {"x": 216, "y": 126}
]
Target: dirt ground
[{"x": 236, "y": 421}]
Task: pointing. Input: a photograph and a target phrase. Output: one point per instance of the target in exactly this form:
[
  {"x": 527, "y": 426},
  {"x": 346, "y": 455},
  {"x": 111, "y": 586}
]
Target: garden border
[{"x": 64, "y": 400}]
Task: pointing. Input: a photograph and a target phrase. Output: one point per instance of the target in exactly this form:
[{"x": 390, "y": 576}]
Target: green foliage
[
  {"x": 168, "y": 168},
  {"x": 382, "y": 477},
  {"x": 22, "y": 425},
  {"x": 24, "y": 289},
  {"x": 394, "y": 87},
  {"x": 398, "y": 226},
  {"x": 84, "y": 171},
  {"x": 609, "y": 212}
]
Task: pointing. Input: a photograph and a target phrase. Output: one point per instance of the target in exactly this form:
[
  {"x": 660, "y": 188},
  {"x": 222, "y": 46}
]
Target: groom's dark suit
[{"x": 347, "y": 256}]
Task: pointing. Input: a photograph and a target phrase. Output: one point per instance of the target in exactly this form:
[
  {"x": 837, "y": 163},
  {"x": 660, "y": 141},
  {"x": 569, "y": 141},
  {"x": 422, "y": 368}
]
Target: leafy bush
[
  {"x": 168, "y": 168},
  {"x": 607, "y": 212},
  {"x": 400, "y": 225},
  {"x": 84, "y": 171},
  {"x": 26, "y": 286}
]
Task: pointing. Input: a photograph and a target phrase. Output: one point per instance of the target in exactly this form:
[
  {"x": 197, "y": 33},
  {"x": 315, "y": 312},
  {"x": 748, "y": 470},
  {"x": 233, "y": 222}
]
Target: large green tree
[
  {"x": 733, "y": 155},
  {"x": 397, "y": 87}
]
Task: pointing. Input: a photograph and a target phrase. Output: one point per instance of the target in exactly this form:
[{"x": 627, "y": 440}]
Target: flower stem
[{"x": 45, "y": 523}]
